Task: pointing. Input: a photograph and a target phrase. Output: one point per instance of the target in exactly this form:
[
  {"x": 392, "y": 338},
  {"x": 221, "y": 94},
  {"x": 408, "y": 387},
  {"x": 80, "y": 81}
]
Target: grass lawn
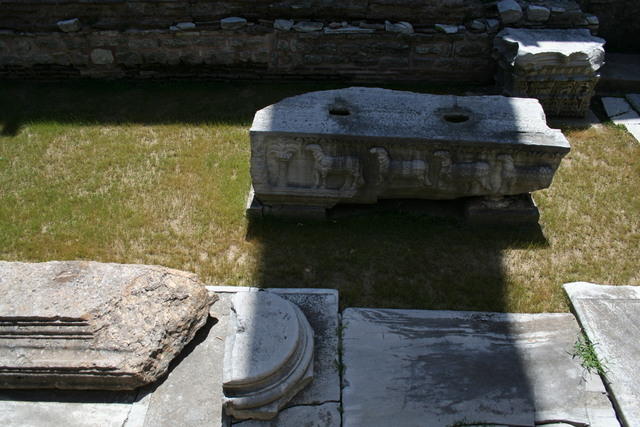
[{"x": 158, "y": 174}]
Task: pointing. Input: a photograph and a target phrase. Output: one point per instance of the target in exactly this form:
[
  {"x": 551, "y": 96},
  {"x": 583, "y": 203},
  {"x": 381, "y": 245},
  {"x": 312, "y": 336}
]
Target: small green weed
[{"x": 583, "y": 348}]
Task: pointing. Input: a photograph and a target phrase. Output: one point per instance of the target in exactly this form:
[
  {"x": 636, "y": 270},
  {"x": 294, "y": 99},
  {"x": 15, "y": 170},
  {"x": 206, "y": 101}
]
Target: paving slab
[
  {"x": 610, "y": 316},
  {"x": 191, "y": 394},
  {"x": 616, "y": 106},
  {"x": 621, "y": 113},
  {"x": 438, "y": 368},
  {"x": 38, "y": 408},
  {"x": 634, "y": 100}
]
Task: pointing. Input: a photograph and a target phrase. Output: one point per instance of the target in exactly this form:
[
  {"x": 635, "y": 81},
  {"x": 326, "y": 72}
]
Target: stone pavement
[
  {"x": 399, "y": 368},
  {"x": 624, "y": 111},
  {"x": 191, "y": 393},
  {"x": 610, "y": 316}
]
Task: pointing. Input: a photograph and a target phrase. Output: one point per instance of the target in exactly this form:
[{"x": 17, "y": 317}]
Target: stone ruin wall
[
  {"x": 132, "y": 38},
  {"x": 619, "y": 23}
]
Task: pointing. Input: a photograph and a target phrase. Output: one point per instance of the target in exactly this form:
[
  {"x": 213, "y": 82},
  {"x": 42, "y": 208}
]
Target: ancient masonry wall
[
  {"x": 619, "y": 23},
  {"x": 448, "y": 40}
]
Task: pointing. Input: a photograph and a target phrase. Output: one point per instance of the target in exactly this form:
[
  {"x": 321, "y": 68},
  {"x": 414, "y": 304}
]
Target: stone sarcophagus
[
  {"x": 359, "y": 145},
  {"x": 557, "y": 67}
]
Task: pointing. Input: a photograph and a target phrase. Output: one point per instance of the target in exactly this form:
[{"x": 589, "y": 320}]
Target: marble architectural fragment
[
  {"x": 557, "y": 67},
  {"x": 268, "y": 355},
  {"x": 359, "y": 145},
  {"x": 89, "y": 325}
]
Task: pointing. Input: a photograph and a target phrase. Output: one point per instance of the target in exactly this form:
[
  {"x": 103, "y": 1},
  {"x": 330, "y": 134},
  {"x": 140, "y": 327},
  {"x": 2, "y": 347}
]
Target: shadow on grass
[
  {"x": 393, "y": 260},
  {"x": 122, "y": 101}
]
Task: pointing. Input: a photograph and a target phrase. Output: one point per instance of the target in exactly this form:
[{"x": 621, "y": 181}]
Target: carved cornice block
[
  {"x": 89, "y": 325},
  {"x": 557, "y": 67}
]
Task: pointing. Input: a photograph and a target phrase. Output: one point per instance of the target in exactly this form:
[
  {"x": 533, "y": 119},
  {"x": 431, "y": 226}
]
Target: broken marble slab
[
  {"x": 439, "y": 368},
  {"x": 89, "y": 325},
  {"x": 610, "y": 317},
  {"x": 358, "y": 145}
]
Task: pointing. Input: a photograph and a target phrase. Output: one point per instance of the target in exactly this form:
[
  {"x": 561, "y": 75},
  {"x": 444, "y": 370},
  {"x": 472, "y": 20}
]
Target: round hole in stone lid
[
  {"x": 339, "y": 111},
  {"x": 456, "y": 117}
]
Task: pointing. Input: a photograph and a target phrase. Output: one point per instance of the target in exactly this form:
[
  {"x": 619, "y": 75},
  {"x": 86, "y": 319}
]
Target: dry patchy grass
[{"x": 168, "y": 187}]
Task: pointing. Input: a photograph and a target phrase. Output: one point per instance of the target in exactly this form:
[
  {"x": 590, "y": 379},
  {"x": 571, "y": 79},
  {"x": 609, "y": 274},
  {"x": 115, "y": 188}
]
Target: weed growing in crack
[{"x": 583, "y": 348}]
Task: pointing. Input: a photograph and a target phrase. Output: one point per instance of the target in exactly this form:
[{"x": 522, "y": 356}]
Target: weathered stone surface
[
  {"x": 184, "y": 26},
  {"x": 399, "y": 27},
  {"x": 101, "y": 56},
  {"x": 493, "y": 25},
  {"x": 40, "y": 408},
  {"x": 510, "y": 11},
  {"x": 557, "y": 67},
  {"x": 232, "y": 23},
  {"x": 620, "y": 112},
  {"x": 634, "y": 100},
  {"x": 69, "y": 25},
  {"x": 610, "y": 316},
  {"x": 349, "y": 30},
  {"x": 191, "y": 395},
  {"x": 359, "y": 145},
  {"x": 439, "y": 368},
  {"x": 538, "y": 13},
  {"x": 447, "y": 29},
  {"x": 88, "y": 325},
  {"x": 268, "y": 355},
  {"x": 478, "y": 25},
  {"x": 283, "y": 24},
  {"x": 615, "y": 107},
  {"x": 525, "y": 48},
  {"x": 325, "y": 415},
  {"x": 308, "y": 26},
  {"x": 509, "y": 209}
]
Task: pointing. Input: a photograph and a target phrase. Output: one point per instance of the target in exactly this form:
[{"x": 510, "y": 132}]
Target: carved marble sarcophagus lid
[
  {"x": 358, "y": 145},
  {"x": 89, "y": 325}
]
